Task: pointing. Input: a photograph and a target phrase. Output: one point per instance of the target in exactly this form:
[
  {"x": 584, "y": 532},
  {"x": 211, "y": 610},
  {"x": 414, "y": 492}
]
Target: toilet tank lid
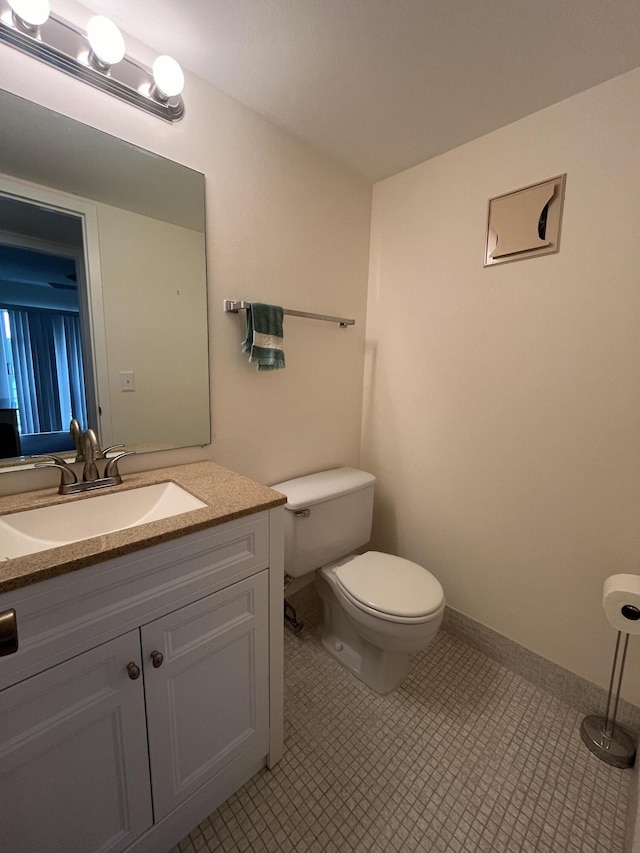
[{"x": 303, "y": 492}]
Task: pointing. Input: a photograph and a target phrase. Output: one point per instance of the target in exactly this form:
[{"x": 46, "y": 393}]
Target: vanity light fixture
[{"x": 97, "y": 57}]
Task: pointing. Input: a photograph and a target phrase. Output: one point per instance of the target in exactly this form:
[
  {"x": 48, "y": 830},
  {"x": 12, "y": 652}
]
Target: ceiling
[{"x": 384, "y": 84}]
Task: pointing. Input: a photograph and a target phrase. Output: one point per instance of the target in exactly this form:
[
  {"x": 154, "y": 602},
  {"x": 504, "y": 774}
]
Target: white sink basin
[{"x": 34, "y": 530}]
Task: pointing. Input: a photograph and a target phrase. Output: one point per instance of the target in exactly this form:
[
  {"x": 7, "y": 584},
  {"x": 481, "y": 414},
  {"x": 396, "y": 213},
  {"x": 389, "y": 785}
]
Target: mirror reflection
[{"x": 102, "y": 290}]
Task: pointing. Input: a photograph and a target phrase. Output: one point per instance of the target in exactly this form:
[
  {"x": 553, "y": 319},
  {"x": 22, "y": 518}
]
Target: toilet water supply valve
[{"x": 290, "y": 615}]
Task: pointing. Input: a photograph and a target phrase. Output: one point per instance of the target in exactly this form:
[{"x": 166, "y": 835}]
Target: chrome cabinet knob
[
  {"x": 157, "y": 658},
  {"x": 134, "y": 670}
]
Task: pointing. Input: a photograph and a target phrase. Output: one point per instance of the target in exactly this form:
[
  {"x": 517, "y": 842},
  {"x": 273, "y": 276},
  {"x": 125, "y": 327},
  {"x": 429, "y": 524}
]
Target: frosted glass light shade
[
  {"x": 105, "y": 39},
  {"x": 168, "y": 76},
  {"x": 33, "y": 12}
]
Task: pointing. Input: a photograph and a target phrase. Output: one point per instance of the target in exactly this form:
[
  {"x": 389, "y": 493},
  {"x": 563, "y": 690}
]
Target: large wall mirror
[{"x": 103, "y": 299}]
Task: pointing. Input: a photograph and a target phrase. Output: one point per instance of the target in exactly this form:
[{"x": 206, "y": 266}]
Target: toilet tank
[{"x": 328, "y": 515}]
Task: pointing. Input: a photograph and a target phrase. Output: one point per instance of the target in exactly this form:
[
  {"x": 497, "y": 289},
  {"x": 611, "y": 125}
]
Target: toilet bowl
[{"x": 378, "y": 608}]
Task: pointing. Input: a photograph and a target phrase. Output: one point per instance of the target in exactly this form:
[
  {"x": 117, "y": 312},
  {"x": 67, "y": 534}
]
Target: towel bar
[{"x": 231, "y": 306}]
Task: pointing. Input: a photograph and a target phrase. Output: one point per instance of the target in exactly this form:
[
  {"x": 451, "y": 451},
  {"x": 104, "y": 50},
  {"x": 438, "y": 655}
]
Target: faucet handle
[
  {"x": 111, "y": 469},
  {"x": 67, "y": 477},
  {"x": 103, "y": 453}
]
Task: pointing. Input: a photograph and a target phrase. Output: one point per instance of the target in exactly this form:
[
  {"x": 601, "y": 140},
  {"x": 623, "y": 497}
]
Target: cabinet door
[
  {"x": 74, "y": 775},
  {"x": 207, "y": 701}
]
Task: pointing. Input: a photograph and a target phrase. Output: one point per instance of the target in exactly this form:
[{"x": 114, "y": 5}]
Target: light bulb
[
  {"x": 107, "y": 43},
  {"x": 168, "y": 77},
  {"x": 34, "y": 13}
]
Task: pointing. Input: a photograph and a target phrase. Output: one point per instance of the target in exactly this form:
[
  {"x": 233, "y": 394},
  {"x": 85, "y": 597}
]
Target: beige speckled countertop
[{"x": 228, "y": 495}]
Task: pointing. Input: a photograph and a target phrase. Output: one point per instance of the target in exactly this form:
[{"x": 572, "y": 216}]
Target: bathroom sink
[{"x": 35, "y": 530}]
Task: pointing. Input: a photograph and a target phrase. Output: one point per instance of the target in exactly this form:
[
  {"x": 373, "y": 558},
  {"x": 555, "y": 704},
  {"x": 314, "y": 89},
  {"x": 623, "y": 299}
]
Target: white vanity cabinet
[{"x": 144, "y": 692}]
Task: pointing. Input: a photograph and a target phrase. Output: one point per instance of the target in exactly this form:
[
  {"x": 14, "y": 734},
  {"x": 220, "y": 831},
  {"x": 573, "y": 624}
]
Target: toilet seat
[{"x": 389, "y": 587}]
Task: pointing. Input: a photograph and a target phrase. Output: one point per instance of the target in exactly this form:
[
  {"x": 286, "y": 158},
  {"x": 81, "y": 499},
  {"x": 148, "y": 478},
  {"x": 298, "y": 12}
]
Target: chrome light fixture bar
[{"x": 101, "y": 62}]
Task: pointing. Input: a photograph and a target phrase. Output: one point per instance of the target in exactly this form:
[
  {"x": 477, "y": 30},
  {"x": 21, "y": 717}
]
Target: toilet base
[
  {"x": 383, "y": 676},
  {"x": 379, "y": 669}
]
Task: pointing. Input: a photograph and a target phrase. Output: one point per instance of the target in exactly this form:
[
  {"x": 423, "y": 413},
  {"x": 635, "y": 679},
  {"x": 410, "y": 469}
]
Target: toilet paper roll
[{"x": 621, "y": 602}]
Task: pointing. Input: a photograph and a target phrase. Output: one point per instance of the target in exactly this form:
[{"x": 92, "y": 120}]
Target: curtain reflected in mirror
[
  {"x": 43, "y": 353},
  {"x": 41, "y": 343}
]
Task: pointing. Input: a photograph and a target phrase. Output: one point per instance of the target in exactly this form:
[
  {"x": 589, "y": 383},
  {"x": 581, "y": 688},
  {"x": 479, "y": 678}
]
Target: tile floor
[{"x": 465, "y": 756}]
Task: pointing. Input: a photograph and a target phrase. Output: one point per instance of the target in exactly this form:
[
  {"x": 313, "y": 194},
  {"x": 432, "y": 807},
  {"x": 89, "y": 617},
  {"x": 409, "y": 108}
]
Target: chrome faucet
[
  {"x": 90, "y": 453},
  {"x": 91, "y": 449}
]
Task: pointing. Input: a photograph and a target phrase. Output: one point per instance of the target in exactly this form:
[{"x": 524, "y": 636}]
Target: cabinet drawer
[{"x": 67, "y": 615}]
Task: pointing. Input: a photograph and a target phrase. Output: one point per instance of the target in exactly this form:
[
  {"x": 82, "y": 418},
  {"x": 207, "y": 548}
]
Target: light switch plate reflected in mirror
[{"x": 127, "y": 380}]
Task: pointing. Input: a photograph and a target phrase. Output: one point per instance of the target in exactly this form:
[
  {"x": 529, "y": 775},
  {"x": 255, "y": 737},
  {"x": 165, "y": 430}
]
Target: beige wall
[
  {"x": 284, "y": 225},
  {"x": 502, "y": 405}
]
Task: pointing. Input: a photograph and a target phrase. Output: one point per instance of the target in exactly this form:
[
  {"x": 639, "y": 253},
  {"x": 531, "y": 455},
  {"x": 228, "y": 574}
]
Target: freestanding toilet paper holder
[{"x": 599, "y": 734}]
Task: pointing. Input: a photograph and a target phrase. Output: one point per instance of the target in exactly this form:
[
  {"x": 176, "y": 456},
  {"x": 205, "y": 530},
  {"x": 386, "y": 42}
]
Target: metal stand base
[{"x": 617, "y": 749}]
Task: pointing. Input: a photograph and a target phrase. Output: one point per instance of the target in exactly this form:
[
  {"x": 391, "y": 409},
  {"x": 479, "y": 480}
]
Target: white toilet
[{"x": 378, "y": 608}]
